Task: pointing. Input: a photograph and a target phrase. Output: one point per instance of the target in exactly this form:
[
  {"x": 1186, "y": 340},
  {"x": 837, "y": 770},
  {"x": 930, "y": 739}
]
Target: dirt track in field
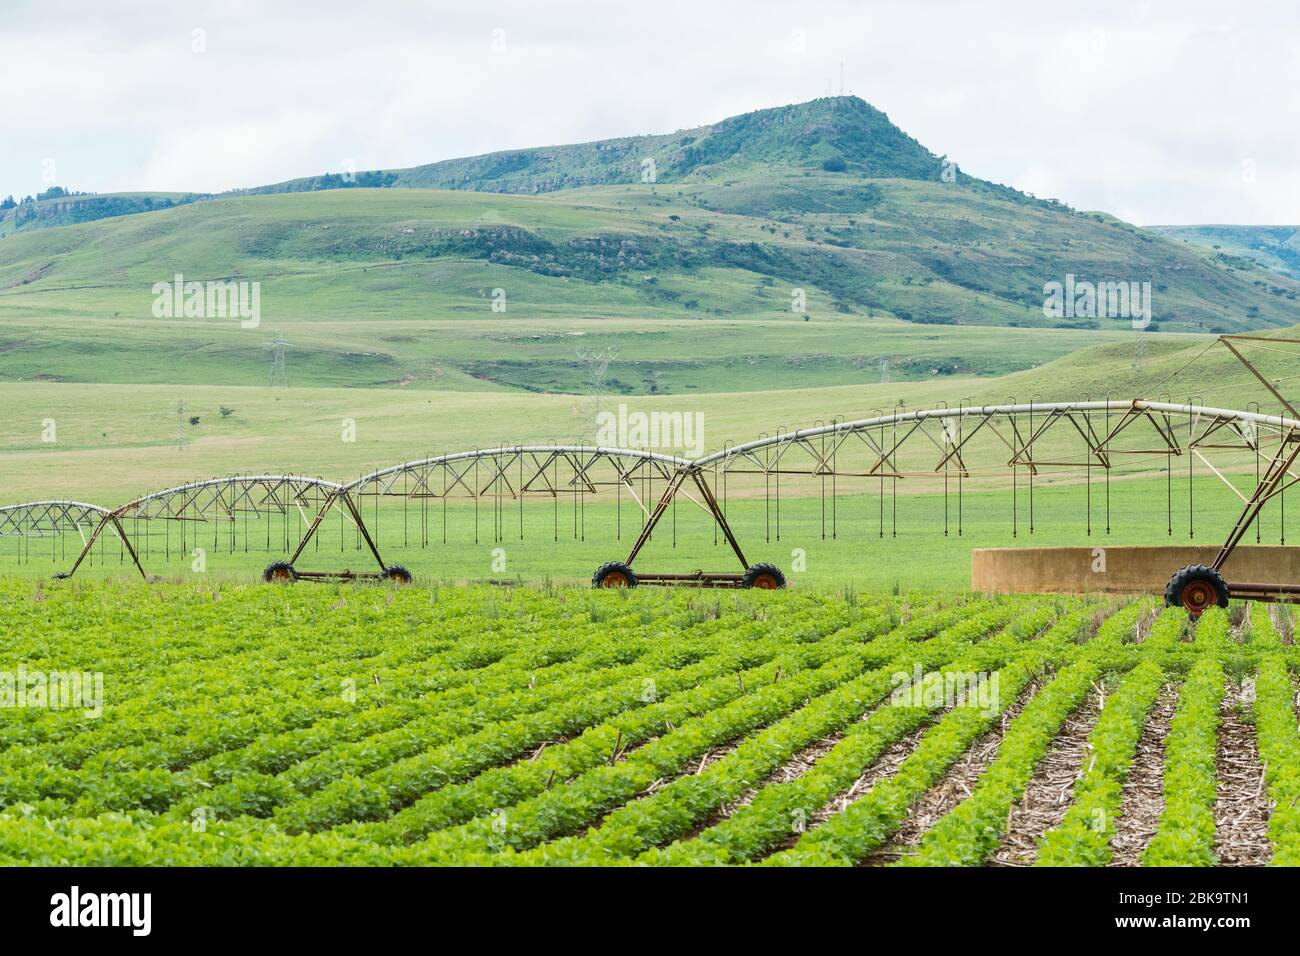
[
  {"x": 796, "y": 766},
  {"x": 1283, "y": 621},
  {"x": 956, "y": 785},
  {"x": 1051, "y": 789},
  {"x": 884, "y": 766},
  {"x": 1241, "y": 808},
  {"x": 1143, "y": 799}
]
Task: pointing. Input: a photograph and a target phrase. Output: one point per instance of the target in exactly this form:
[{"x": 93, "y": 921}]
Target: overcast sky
[{"x": 1159, "y": 112}]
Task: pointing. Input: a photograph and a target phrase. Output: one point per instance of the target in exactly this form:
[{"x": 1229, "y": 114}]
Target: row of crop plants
[
  {"x": 198, "y": 653},
  {"x": 868, "y": 822},
  {"x": 582, "y": 734},
  {"x": 674, "y": 809},
  {"x": 613, "y": 782},
  {"x": 288, "y": 722},
  {"x": 734, "y": 654},
  {"x": 662, "y": 755},
  {"x": 1186, "y": 833},
  {"x": 1279, "y": 743},
  {"x": 975, "y": 828},
  {"x": 358, "y": 783}
]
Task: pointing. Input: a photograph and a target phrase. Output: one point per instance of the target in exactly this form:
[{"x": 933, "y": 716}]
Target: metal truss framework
[
  {"x": 1019, "y": 428},
  {"x": 1026, "y": 439},
  {"x": 957, "y": 443},
  {"x": 42, "y": 518}
]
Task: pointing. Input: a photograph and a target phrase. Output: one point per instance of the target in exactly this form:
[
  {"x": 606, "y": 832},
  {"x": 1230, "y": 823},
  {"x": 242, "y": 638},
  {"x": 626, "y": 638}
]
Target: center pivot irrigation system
[{"x": 952, "y": 448}]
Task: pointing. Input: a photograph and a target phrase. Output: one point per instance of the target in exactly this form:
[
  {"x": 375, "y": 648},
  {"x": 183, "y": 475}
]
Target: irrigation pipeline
[{"x": 948, "y": 446}]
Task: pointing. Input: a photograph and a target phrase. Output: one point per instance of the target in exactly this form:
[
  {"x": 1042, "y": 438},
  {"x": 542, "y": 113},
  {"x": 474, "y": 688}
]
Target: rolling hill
[
  {"x": 843, "y": 134},
  {"x": 1274, "y": 247},
  {"x": 904, "y": 267},
  {"x": 87, "y": 207}
]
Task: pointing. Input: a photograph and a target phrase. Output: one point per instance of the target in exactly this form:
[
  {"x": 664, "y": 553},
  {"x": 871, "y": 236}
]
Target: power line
[
  {"x": 597, "y": 362},
  {"x": 279, "y": 373}
]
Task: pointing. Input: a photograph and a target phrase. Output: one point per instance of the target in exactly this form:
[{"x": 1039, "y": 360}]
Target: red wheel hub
[{"x": 1198, "y": 596}]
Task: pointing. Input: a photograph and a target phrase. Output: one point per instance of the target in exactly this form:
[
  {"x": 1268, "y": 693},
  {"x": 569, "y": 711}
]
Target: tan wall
[{"x": 1126, "y": 570}]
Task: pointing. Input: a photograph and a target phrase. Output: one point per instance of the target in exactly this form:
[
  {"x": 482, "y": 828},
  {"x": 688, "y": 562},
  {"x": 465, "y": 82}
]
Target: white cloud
[{"x": 225, "y": 154}]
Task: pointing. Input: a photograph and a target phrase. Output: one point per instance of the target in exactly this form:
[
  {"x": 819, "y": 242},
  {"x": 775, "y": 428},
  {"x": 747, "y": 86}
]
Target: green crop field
[{"x": 240, "y": 725}]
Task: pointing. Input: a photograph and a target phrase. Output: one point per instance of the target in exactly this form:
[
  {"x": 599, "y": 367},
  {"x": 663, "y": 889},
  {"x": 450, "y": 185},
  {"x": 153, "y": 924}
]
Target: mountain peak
[
  {"x": 841, "y": 133},
  {"x": 834, "y": 133}
]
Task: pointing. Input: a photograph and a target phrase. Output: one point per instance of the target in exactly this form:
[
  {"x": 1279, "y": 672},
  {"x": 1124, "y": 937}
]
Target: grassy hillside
[
  {"x": 381, "y": 288},
  {"x": 843, "y": 133},
  {"x": 392, "y": 287},
  {"x": 69, "y": 210},
  {"x": 692, "y": 277},
  {"x": 1273, "y": 247}
]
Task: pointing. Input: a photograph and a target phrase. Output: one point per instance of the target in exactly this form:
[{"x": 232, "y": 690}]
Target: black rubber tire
[
  {"x": 1196, "y": 588},
  {"x": 398, "y": 574},
  {"x": 765, "y": 577},
  {"x": 279, "y": 572},
  {"x": 614, "y": 574}
]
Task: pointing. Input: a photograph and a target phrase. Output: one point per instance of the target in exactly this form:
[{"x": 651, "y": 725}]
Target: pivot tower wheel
[
  {"x": 279, "y": 572},
  {"x": 614, "y": 574},
  {"x": 397, "y": 573},
  {"x": 767, "y": 577},
  {"x": 1197, "y": 588}
]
